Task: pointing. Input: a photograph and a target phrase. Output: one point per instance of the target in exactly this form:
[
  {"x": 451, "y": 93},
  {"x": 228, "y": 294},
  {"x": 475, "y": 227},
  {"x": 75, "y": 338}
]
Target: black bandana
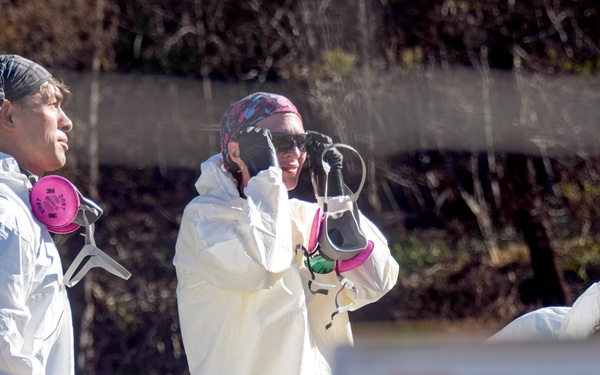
[{"x": 19, "y": 77}]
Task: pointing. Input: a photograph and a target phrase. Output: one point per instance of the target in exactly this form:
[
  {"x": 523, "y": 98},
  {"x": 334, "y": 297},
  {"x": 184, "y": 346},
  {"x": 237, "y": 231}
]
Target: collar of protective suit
[
  {"x": 215, "y": 180},
  {"x": 8, "y": 163},
  {"x": 11, "y": 173}
]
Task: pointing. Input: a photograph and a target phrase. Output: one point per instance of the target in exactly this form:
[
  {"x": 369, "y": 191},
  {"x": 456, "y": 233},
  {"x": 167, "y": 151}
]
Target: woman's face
[{"x": 292, "y": 160}]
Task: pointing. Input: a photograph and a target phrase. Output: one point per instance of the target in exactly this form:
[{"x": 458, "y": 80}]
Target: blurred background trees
[
  {"x": 258, "y": 40},
  {"x": 485, "y": 232}
]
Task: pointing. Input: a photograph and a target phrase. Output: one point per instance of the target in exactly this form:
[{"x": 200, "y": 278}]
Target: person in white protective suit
[
  {"x": 578, "y": 322},
  {"x": 36, "y": 330},
  {"x": 250, "y": 300}
]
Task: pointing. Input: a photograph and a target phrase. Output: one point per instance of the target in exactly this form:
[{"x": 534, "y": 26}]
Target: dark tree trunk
[{"x": 526, "y": 211}]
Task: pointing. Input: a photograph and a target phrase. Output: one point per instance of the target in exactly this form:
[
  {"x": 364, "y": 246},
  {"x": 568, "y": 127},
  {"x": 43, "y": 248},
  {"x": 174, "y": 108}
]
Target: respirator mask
[
  {"x": 336, "y": 241},
  {"x": 57, "y": 203},
  {"x": 341, "y": 237}
]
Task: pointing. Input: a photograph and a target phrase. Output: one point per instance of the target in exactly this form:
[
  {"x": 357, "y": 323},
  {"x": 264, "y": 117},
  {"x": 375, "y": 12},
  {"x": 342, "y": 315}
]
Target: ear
[
  {"x": 233, "y": 148},
  {"x": 6, "y": 120}
]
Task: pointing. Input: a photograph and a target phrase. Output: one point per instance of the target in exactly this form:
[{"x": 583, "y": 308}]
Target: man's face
[
  {"x": 292, "y": 160},
  {"x": 42, "y": 126}
]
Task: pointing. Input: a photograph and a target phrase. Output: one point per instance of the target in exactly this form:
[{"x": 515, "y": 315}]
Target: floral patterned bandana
[
  {"x": 248, "y": 112},
  {"x": 19, "y": 77}
]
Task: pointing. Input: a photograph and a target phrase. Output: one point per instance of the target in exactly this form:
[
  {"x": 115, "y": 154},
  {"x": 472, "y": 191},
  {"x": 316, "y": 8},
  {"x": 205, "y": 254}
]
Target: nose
[{"x": 65, "y": 124}]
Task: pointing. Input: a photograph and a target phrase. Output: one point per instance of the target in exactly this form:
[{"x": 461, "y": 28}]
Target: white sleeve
[
  {"x": 242, "y": 250},
  {"x": 583, "y": 319},
  {"x": 541, "y": 324},
  {"x": 16, "y": 272},
  {"x": 378, "y": 274}
]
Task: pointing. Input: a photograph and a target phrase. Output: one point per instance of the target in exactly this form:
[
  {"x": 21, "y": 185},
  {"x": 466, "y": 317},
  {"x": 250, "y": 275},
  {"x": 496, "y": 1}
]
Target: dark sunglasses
[{"x": 287, "y": 141}]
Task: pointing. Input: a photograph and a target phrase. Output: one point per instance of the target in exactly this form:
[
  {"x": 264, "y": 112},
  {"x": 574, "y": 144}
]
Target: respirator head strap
[{"x": 346, "y": 284}]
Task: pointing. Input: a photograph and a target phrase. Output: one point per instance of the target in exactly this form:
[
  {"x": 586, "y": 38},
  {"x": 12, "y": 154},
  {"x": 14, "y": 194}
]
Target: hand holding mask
[{"x": 317, "y": 143}]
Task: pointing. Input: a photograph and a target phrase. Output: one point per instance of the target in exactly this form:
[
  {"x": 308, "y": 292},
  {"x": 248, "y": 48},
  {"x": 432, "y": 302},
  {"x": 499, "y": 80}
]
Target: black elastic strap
[
  {"x": 312, "y": 273},
  {"x": 344, "y": 282},
  {"x": 30, "y": 176}
]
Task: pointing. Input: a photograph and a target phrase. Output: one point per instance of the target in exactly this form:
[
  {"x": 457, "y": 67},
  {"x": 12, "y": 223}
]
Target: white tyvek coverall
[
  {"x": 557, "y": 322},
  {"x": 36, "y": 328},
  {"x": 243, "y": 299}
]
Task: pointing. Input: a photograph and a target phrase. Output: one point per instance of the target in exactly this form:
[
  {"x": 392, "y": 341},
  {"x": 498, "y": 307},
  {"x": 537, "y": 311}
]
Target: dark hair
[
  {"x": 63, "y": 87},
  {"x": 60, "y": 85}
]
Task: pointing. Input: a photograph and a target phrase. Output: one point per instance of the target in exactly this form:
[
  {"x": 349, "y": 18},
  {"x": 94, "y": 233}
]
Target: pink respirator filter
[
  {"x": 315, "y": 230},
  {"x": 55, "y": 202}
]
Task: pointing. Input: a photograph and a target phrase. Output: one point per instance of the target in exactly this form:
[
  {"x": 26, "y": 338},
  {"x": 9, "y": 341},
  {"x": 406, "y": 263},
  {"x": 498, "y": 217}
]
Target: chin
[
  {"x": 60, "y": 162},
  {"x": 290, "y": 185}
]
